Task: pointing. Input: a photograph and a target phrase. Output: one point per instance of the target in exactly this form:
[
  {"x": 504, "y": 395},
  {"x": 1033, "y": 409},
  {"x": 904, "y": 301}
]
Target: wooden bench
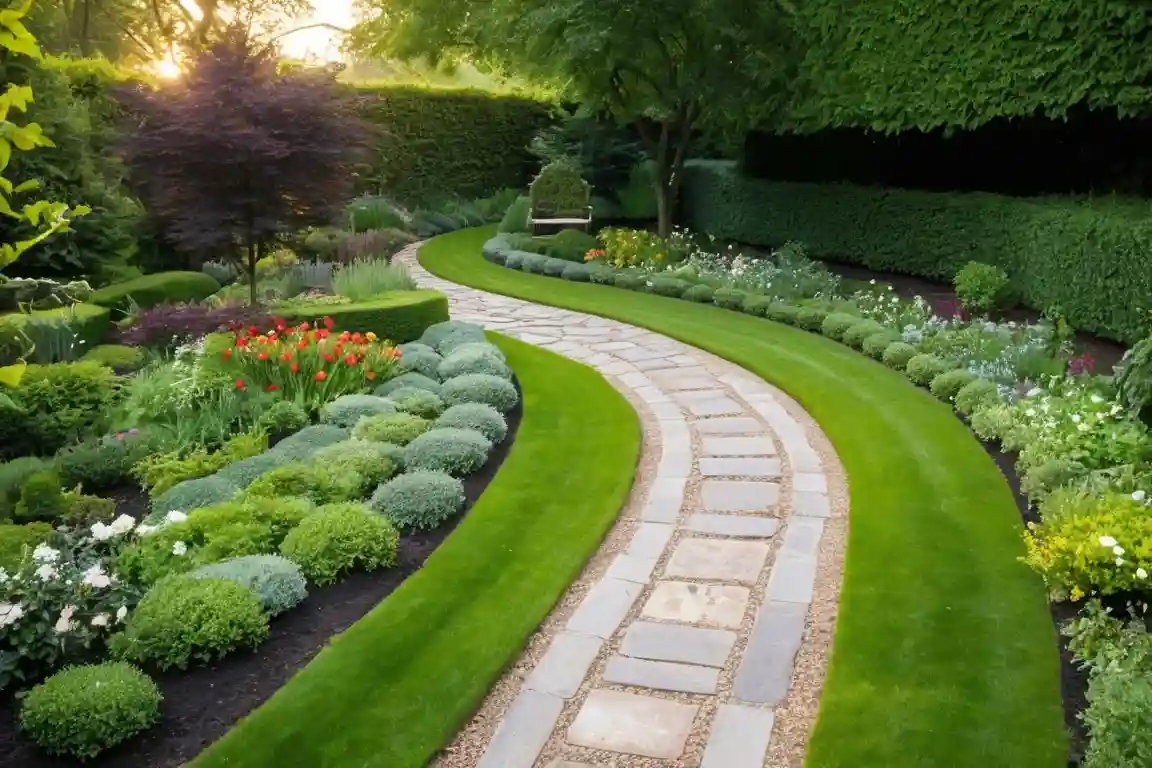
[{"x": 560, "y": 197}]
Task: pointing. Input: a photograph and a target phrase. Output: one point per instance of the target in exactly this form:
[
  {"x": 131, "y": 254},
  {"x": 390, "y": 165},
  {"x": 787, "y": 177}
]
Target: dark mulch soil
[
  {"x": 942, "y": 298},
  {"x": 1073, "y": 679},
  {"x": 201, "y": 704}
]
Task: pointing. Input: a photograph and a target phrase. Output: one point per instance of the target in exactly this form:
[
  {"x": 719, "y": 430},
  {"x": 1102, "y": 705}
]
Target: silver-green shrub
[
  {"x": 420, "y": 359},
  {"x": 369, "y": 459},
  {"x": 480, "y": 388},
  {"x": 277, "y": 583},
  {"x": 434, "y": 334},
  {"x": 347, "y": 410},
  {"x": 244, "y": 472},
  {"x": 396, "y": 428},
  {"x": 477, "y": 416},
  {"x": 194, "y": 494},
  {"x": 474, "y": 358},
  {"x": 419, "y": 402},
  {"x": 411, "y": 379},
  {"x": 458, "y": 452},
  {"x": 311, "y": 439},
  {"x": 419, "y": 501}
]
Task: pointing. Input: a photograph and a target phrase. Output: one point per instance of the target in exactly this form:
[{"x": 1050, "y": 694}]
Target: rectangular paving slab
[
  {"x": 672, "y": 642},
  {"x": 564, "y": 665},
  {"x": 661, "y": 675},
  {"x": 739, "y": 495},
  {"x": 523, "y": 732},
  {"x": 604, "y": 607},
  {"x": 739, "y": 737},
  {"x": 718, "y": 560},
  {"x": 728, "y": 426},
  {"x": 665, "y": 498},
  {"x": 793, "y": 577},
  {"x": 632, "y": 568},
  {"x": 714, "y": 406},
  {"x": 721, "y": 605},
  {"x": 811, "y": 504},
  {"x": 738, "y": 526},
  {"x": 765, "y": 671},
  {"x": 712, "y": 466},
  {"x": 632, "y": 724},
  {"x": 650, "y": 539},
  {"x": 739, "y": 446}
]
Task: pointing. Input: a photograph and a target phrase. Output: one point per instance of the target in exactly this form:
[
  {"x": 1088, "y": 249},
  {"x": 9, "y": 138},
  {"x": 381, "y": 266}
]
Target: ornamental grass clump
[
  {"x": 339, "y": 538},
  {"x": 457, "y": 452},
  {"x": 83, "y": 711}
]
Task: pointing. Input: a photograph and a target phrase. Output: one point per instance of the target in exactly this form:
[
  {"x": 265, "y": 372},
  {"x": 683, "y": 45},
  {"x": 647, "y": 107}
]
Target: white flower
[
  {"x": 46, "y": 572},
  {"x": 175, "y": 516},
  {"x": 1075, "y": 418},
  {"x": 45, "y": 554},
  {"x": 1115, "y": 410},
  {"x": 1083, "y": 427},
  {"x": 65, "y": 623},
  {"x": 10, "y": 613},
  {"x": 122, "y": 524},
  {"x": 1117, "y": 550},
  {"x": 1139, "y": 496},
  {"x": 96, "y": 578},
  {"x": 3, "y": 576},
  {"x": 102, "y": 532},
  {"x": 100, "y": 620},
  {"x": 179, "y": 549},
  {"x": 121, "y": 613},
  {"x": 1030, "y": 412},
  {"x": 1107, "y": 541},
  {"x": 1141, "y": 573},
  {"x": 144, "y": 529},
  {"x": 1096, "y": 399},
  {"x": 1033, "y": 392},
  {"x": 1119, "y": 561}
]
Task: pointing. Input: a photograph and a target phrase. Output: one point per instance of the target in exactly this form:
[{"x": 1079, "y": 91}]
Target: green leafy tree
[{"x": 674, "y": 69}]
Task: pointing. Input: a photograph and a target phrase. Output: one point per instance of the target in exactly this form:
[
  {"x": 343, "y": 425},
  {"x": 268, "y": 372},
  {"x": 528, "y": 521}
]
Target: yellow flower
[
  {"x": 659, "y": 257},
  {"x": 370, "y": 336}
]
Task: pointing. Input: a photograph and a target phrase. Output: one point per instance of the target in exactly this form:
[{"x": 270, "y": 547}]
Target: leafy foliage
[
  {"x": 980, "y": 287},
  {"x": 476, "y": 416},
  {"x": 454, "y": 451},
  {"x": 339, "y": 538},
  {"x": 419, "y": 501},
  {"x": 481, "y": 388},
  {"x": 60, "y": 403},
  {"x": 277, "y": 583}
]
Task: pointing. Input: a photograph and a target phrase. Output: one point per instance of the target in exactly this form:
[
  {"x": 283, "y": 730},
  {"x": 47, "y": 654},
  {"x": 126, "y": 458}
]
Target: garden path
[{"x": 700, "y": 633}]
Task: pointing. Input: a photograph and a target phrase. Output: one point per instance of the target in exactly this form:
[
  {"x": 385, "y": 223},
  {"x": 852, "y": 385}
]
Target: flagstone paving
[{"x": 695, "y": 626}]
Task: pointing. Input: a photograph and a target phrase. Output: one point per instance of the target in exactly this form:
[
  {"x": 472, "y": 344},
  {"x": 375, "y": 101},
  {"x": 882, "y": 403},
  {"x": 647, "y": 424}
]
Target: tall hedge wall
[
  {"x": 1088, "y": 258},
  {"x": 434, "y": 144}
]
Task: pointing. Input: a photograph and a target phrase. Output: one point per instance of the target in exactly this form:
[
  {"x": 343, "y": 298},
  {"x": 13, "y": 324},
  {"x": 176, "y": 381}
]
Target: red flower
[
  {"x": 271, "y": 387},
  {"x": 329, "y": 323},
  {"x": 394, "y": 352},
  {"x": 338, "y": 350},
  {"x": 241, "y": 342},
  {"x": 228, "y": 354},
  {"x": 322, "y": 334},
  {"x": 328, "y": 357},
  {"x": 345, "y": 336},
  {"x": 262, "y": 356},
  {"x": 302, "y": 345},
  {"x": 253, "y": 331},
  {"x": 320, "y": 375},
  {"x": 281, "y": 326},
  {"x": 350, "y": 360},
  {"x": 286, "y": 357},
  {"x": 295, "y": 368},
  {"x": 371, "y": 375},
  {"x": 240, "y": 384},
  {"x": 304, "y": 326}
]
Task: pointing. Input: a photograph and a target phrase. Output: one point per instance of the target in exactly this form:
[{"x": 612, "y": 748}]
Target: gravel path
[{"x": 699, "y": 633}]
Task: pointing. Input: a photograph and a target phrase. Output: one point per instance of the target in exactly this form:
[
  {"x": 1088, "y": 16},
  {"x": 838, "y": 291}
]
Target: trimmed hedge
[
  {"x": 90, "y": 322},
  {"x": 1087, "y": 257},
  {"x": 158, "y": 288},
  {"x": 442, "y": 143},
  {"x": 400, "y": 317}
]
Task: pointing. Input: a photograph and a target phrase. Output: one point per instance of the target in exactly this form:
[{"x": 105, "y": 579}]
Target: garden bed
[{"x": 201, "y": 704}]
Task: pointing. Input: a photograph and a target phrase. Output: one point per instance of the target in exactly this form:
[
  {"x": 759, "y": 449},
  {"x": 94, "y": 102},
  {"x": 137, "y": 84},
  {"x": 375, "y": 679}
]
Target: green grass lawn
[
  {"x": 397, "y": 686},
  {"x": 944, "y": 654}
]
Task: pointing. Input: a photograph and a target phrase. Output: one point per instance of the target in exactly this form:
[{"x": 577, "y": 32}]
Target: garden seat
[{"x": 560, "y": 197}]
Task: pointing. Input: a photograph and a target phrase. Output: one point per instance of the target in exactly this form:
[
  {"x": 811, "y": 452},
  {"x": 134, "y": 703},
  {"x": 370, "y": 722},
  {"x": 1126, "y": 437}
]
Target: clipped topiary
[
  {"x": 577, "y": 273},
  {"x": 897, "y": 354},
  {"x": 668, "y": 286},
  {"x": 410, "y": 380},
  {"x": 948, "y": 384},
  {"x": 601, "y": 274},
  {"x": 457, "y": 452},
  {"x": 311, "y": 439},
  {"x": 338, "y": 538},
  {"x": 701, "y": 294},
  {"x": 729, "y": 298},
  {"x": 875, "y": 345},
  {"x": 437, "y": 333},
  {"x": 477, "y": 416},
  {"x": 754, "y": 304},
  {"x": 194, "y": 494},
  {"x": 782, "y": 313},
  {"x": 277, "y": 583},
  {"x": 319, "y": 483},
  {"x": 459, "y": 339},
  {"x": 555, "y": 267},
  {"x": 119, "y": 357},
  {"x": 855, "y": 335},
  {"x": 419, "y": 501},
  {"x": 837, "y": 324},
  {"x": 83, "y": 711},
  {"x": 474, "y": 358},
  {"x": 977, "y": 394},
  {"x": 533, "y": 263},
  {"x": 921, "y": 369},
  {"x": 514, "y": 259},
  {"x": 182, "y": 621},
  {"x": 419, "y": 358},
  {"x": 244, "y": 472},
  {"x": 419, "y": 402},
  {"x": 811, "y": 318},
  {"x": 481, "y": 388},
  {"x": 396, "y": 428},
  {"x": 371, "y": 460},
  {"x": 570, "y": 245},
  {"x": 347, "y": 410}
]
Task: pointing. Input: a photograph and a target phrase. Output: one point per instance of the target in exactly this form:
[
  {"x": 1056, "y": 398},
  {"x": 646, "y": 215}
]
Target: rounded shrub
[
  {"x": 282, "y": 417},
  {"x": 417, "y": 380},
  {"x": 484, "y": 346},
  {"x": 419, "y": 501},
  {"x": 782, "y": 313},
  {"x": 477, "y": 416},
  {"x": 83, "y": 711},
  {"x": 755, "y": 304},
  {"x": 474, "y": 358},
  {"x": 311, "y": 439},
  {"x": 514, "y": 259},
  {"x": 182, "y": 621},
  {"x": 862, "y": 329},
  {"x": 837, "y": 324},
  {"x": 729, "y": 298},
  {"x": 119, "y": 357},
  {"x": 921, "y": 369},
  {"x": 462, "y": 339},
  {"x": 421, "y": 359},
  {"x": 555, "y": 267},
  {"x": 811, "y": 318},
  {"x": 948, "y": 384},
  {"x": 669, "y": 286},
  {"x": 976, "y": 394},
  {"x": 437, "y": 333},
  {"x": 533, "y": 263},
  {"x": 701, "y": 294},
  {"x": 277, "y": 583},
  {"x": 419, "y": 402},
  {"x": 481, "y": 388},
  {"x": 577, "y": 273},
  {"x": 367, "y": 458},
  {"x": 414, "y": 347},
  {"x": 570, "y": 245},
  {"x": 457, "y": 452},
  {"x": 245, "y": 472},
  {"x": 602, "y": 274},
  {"x": 347, "y": 410},
  {"x": 396, "y": 428},
  {"x": 875, "y": 345},
  {"x": 338, "y": 538},
  {"x": 629, "y": 282},
  {"x": 897, "y": 354},
  {"x": 194, "y": 494}
]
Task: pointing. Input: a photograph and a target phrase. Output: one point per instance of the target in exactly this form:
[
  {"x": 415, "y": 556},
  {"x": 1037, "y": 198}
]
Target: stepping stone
[
  {"x": 738, "y": 526},
  {"x": 739, "y": 737},
  {"x": 691, "y": 396},
  {"x": 803, "y": 536},
  {"x": 661, "y": 675},
  {"x": 640, "y": 353},
  {"x": 631, "y": 568},
  {"x": 665, "y": 498},
  {"x": 739, "y": 495},
  {"x": 717, "y": 406},
  {"x": 810, "y": 504},
  {"x": 736, "y": 426},
  {"x": 563, "y": 667},
  {"x": 569, "y": 764},
  {"x": 632, "y": 724},
  {"x": 523, "y": 732},
  {"x": 739, "y": 446},
  {"x": 671, "y": 642},
  {"x": 739, "y": 467},
  {"x": 722, "y": 605},
  {"x": 655, "y": 364},
  {"x": 688, "y": 382},
  {"x": 814, "y": 482},
  {"x": 612, "y": 346},
  {"x": 765, "y": 672},
  {"x": 793, "y": 578},
  {"x": 604, "y": 607},
  {"x": 649, "y": 540},
  {"x": 719, "y": 560}
]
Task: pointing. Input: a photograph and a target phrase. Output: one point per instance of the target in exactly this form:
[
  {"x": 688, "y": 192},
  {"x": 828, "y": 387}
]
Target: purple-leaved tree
[{"x": 238, "y": 154}]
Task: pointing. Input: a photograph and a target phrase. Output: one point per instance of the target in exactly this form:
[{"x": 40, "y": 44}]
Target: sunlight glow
[
  {"x": 167, "y": 68},
  {"x": 320, "y": 43}
]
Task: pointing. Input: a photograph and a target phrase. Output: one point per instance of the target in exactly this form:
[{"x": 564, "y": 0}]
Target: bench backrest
[{"x": 558, "y": 192}]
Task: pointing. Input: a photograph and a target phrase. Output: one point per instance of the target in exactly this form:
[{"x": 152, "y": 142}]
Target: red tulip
[
  {"x": 350, "y": 360},
  {"x": 295, "y": 368},
  {"x": 240, "y": 384},
  {"x": 228, "y": 354},
  {"x": 271, "y": 387},
  {"x": 320, "y": 375}
]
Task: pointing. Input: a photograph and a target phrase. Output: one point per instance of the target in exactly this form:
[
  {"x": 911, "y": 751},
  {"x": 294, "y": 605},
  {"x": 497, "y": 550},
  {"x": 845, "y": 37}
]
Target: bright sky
[{"x": 319, "y": 43}]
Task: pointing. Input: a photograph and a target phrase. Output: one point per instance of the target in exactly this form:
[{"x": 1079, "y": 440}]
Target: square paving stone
[
  {"x": 564, "y": 665},
  {"x": 661, "y": 675},
  {"x": 715, "y": 559},
  {"x": 739, "y": 495},
  {"x": 814, "y": 482},
  {"x": 737, "y": 526},
  {"x": 739, "y": 737},
  {"x": 765, "y": 672},
  {"x": 691, "y": 396},
  {"x": 810, "y": 504},
  {"x": 739, "y": 467},
  {"x": 634, "y": 725},
  {"x": 721, "y": 605},
  {"x": 604, "y": 607},
  {"x": 672, "y": 642},
  {"x": 803, "y": 536},
  {"x": 730, "y": 426},
  {"x": 739, "y": 446}
]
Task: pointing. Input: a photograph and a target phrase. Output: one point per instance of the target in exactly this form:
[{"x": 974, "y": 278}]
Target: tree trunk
[
  {"x": 86, "y": 30},
  {"x": 253, "y": 257},
  {"x": 663, "y": 208}
]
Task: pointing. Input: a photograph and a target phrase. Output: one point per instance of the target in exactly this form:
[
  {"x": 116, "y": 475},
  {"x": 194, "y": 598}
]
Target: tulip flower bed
[{"x": 255, "y": 552}]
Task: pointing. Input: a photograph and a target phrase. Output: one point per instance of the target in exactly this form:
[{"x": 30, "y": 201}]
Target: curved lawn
[
  {"x": 945, "y": 653},
  {"x": 395, "y": 687}
]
